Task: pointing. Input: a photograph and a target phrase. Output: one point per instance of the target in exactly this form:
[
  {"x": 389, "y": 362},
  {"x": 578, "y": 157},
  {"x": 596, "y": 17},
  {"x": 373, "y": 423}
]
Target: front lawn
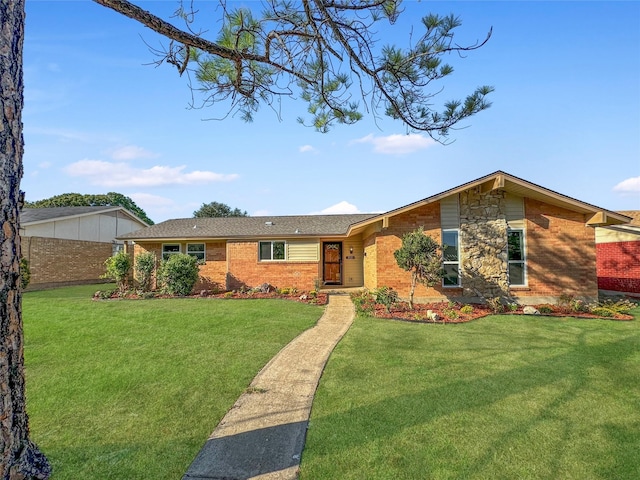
[
  {"x": 131, "y": 389},
  {"x": 503, "y": 397}
]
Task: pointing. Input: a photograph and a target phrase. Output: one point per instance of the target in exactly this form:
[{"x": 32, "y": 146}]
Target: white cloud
[
  {"x": 131, "y": 152},
  {"x": 307, "y": 148},
  {"x": 44, "y": 164},
  {"x": 629, "y": 185},
  {"x": 397, "y": 144},
  {"x": 339, "y": 208},
  {"x": 110, "y": 174},
  {"x": 146, "y": 200}
]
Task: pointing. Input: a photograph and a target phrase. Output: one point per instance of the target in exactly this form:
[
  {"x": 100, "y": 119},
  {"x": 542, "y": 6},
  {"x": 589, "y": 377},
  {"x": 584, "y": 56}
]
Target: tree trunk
[
  {"x": 414, "y": 280},
  {"x": 21, "y": 459}
]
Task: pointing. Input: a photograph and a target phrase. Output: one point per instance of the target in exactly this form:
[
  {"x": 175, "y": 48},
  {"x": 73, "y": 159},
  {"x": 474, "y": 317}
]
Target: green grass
[
  {"x": 504, "y": 397},
  {"x": 132, "y": 389}
]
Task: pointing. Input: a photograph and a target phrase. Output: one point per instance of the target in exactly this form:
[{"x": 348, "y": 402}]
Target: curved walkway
[{"x": 263, "y": 434}]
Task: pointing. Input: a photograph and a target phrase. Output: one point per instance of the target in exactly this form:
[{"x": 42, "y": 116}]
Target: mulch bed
[
  {"x": 446, "y": 312},
  {"x": 302, "y": 297},
  {"x": 451, "y": 313}
]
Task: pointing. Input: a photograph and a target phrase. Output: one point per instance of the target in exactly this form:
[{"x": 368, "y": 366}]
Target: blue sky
[{"x": 100, "y": 117}]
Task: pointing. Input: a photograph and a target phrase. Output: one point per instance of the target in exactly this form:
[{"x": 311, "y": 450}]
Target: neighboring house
[
  {"x": 69, "y": 245},
  {"x": 618, "y": 254},
  {"x": 505, "y": 237}
]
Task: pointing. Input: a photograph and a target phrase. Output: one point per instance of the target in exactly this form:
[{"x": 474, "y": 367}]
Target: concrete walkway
[{"x": 263, "y": 434}]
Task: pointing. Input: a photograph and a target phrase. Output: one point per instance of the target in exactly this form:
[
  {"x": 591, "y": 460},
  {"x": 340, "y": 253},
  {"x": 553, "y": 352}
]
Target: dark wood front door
[{"x": 332, "y": 263}]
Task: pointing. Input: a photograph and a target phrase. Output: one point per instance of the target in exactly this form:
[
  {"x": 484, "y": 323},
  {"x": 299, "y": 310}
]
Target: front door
[{"x": 332, "y": 263}]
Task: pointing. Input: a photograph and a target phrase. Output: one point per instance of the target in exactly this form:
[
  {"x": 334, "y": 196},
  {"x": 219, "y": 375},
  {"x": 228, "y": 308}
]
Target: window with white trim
[
  {"x": 116, "y": 248},
  {"x": 273, "y": 250},
  {"x": 451, "y": 258},
  {"x": 516, "y": 257},
  {"x": 196, "y": 250},
  {"x": 169, "y": 249}
]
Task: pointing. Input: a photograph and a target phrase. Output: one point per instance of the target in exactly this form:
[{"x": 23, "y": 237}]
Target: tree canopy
[
  {"x": 325, "y": 53},
  {"x": 216, "y": 209},
  {"x": 112, "y": 199}
]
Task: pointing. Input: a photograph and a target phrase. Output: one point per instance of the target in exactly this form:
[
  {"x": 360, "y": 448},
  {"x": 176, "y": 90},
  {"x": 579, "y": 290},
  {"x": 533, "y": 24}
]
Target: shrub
[
  {"x": 386, "y": 296},
  {"x": 569, "y": 303},
  {"x": 610, "y": 308},
  {"x": 145, "y": 265},
  {"x": 618, "y": 306},
  {"x": 25, "y": 273},
  {"x": 466, "y": 309},
  {"x": 178, "y": 274},
  {"x": 495, "y": 304},
  {"x": 545, "y": 309},
  {"x": 363, "y": 302},
  {"x": 118, "y": 268},
  {"x": 450, "y": 313},
  {"x": 104, "y": 294},
  {"x": 603, "y": 312}
]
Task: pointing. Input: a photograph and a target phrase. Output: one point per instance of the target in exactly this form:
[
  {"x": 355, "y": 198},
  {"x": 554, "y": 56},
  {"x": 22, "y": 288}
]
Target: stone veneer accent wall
[{"x": 483, "y": 244}]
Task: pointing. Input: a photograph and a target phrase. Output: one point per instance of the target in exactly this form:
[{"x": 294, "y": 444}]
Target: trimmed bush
[
  {"x": 145, "y": 265},
  {"x": 118, "y": 268},
  {"x": 178, "y": 274}
]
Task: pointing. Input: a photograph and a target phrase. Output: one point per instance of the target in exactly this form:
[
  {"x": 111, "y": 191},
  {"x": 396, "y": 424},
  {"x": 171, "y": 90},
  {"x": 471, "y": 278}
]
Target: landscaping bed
[
  {"x": 457, "y": 313},
  {"x": 311, "y": 298}
]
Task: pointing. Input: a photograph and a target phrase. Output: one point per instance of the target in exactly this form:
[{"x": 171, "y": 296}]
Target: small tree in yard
[
  {"x": 420, "y": 254},
  {"x": 178, "y": 274},
  {"x": 145, "y": 265},
  {"x": 118, "y": 268}
]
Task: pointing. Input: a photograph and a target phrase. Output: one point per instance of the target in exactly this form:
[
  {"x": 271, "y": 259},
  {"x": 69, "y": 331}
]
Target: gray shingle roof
[
  {"x": 28, "y": 215},
  {"x": 236, "y": 227}
]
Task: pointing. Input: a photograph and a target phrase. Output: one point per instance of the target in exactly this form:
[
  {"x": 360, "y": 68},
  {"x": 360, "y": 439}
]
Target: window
[
  {"x": 516, "y": 257},
  {"x": 169, "y": 249},
  {"x": 116, "y": 248},
  {"x": 451, "y": 258},
  {"x": 196, "y": 250},
  {"x": 271, "y": 250}
]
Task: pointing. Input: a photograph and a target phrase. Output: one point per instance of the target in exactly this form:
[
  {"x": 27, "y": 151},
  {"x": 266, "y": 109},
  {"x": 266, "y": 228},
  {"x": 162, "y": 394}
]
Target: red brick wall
[
  {"x": 245, "y": 270},
  {"x": 561, "y": 253},
  {"x": 390, "y": 239},
  {"x": 56, "y": 262},
  {"x": 213, "y": 273},
  {"x": 619, "y": 266}
]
